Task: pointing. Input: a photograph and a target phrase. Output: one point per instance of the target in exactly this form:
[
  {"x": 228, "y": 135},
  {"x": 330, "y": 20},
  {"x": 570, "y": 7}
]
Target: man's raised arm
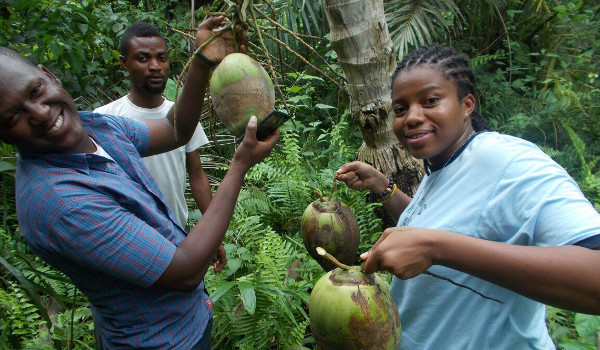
[{"x": 176, "y": 130}]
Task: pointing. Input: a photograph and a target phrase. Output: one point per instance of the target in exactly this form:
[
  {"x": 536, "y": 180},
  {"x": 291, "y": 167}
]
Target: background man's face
[{"x": 147, "y": 62}]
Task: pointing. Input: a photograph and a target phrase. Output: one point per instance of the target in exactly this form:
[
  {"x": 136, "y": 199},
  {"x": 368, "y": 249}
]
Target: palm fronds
[{"x": 414, "y": 23}]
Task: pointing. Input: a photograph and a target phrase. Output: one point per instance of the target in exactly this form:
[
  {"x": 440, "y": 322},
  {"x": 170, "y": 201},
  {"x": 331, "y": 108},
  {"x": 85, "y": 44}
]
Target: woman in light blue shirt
[{"x": 493, "y": 214}]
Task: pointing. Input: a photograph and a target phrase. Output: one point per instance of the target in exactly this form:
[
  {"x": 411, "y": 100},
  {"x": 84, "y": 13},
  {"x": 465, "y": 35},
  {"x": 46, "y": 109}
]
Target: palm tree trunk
[{"x": 360, "y": 37}]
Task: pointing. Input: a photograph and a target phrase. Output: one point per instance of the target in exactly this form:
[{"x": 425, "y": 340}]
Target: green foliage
[
  {"x": 417, "y": 22},
  {"x": 573, "y": 331},
  {"x": 40, "y": 32},
  {"x": 304, "y": 16},
  {"x": 589, "y": 178},
  {"x": 7, "y": 188},
  {"x": 310, "y": 99},
  {"x": 34, "y": 285},
  {"x": 78, "y": 40},
  {"x": 74, "y": 328},
  {"x": 260, "y": 299},
  {"x": 20, "y": 322},
  {"x": 264, "y": 306}
]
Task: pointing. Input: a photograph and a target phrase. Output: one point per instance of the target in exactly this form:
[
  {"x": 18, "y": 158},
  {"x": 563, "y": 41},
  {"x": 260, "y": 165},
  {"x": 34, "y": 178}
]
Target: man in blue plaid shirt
[{"x": 88, "y": 206}]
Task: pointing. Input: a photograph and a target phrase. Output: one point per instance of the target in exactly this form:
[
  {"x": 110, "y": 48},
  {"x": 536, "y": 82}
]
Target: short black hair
[
  {"x": 5, "y": 52},
  {"x": 138, "y": 30},
  {"x": 454, "y": 66}
]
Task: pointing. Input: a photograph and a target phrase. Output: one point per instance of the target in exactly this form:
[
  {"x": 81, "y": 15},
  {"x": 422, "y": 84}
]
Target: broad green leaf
[
  {"x": 233, "y": 265},
  {"x": 248, "y": 296},
  {"x": 6, "y": 166},
  {"x": 587, "y": 325},
  {"x": 323, "y": 106},
  {"x": 170, "y": 89},
  {"x": 219, "y": 292}
]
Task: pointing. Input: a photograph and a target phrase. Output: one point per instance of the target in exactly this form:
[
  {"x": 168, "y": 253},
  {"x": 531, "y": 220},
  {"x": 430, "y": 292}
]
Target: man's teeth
[
  {"x": 56, "y": 126},
  {"x": 416, "y": 136}
]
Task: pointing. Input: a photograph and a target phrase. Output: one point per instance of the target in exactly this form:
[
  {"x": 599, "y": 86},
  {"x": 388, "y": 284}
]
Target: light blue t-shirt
[{"x": 503, "y": 189}]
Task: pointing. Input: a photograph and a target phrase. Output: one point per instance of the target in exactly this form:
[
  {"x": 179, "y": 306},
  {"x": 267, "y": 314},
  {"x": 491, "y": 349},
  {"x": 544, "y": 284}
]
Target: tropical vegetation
[{"x": 537, "y": 68}]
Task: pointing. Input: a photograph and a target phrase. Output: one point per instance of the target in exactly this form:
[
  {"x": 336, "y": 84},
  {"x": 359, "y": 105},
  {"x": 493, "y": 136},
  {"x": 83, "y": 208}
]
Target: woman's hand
[
  {"x": 362, "y": 176},
  {"x": 403, "y": 251}
]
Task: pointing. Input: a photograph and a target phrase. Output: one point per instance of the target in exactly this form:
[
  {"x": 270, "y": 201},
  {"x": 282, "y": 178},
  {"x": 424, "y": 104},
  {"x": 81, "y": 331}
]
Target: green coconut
[
  {"x": 330, "y": 224},
  {"x": 351, "y": 310},
  {"x": 240, "y": 88}
]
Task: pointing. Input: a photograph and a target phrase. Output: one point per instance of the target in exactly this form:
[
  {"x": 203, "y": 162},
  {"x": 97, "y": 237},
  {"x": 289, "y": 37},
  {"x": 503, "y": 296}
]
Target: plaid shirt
[{"x": 105, "y": 224}]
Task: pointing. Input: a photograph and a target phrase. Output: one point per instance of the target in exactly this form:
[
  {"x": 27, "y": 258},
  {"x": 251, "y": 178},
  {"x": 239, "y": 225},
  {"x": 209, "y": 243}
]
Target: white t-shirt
[
  {"x": 168, "y": 169},
  {"x": 503, "y": 189}
]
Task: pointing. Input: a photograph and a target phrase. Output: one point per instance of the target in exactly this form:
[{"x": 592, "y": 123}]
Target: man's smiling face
[{"x": 36, "y": 114}]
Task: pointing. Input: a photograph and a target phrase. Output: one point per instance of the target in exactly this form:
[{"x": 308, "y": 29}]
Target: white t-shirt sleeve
[{"x": 198, "y": 140}]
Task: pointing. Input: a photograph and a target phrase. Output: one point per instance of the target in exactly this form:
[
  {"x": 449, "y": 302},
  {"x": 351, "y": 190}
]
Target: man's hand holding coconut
[
  {"x": 221, "y": 45},
  {"x": 193, "y": 256}
]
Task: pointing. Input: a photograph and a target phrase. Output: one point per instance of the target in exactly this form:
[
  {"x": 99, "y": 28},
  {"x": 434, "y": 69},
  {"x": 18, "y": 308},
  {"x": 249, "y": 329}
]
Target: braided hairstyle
[{"x": 454, "y": 66}]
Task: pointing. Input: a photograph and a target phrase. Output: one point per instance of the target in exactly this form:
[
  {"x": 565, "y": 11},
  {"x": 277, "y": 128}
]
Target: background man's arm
[{"x": 199, "y": 184}]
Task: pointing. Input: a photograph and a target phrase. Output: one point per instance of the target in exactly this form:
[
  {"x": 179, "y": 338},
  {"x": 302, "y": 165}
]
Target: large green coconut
[
  {"x": 332, "y": 225},
  {"x": 240, "y": 88},
  {"x": 351, "y": 310}
]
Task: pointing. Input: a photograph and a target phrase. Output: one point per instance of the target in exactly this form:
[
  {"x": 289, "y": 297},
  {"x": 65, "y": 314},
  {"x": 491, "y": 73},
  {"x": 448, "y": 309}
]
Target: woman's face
[{"x": 429, "y": 119}]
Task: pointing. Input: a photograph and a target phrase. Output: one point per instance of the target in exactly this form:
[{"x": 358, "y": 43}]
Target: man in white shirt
[{"x": 144, "y": 54}]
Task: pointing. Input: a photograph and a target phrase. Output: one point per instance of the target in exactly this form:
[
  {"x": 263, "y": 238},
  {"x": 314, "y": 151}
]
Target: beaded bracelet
[
  {"x": 382, "y": 201},
  {"x": 385, "y": 195},
  {"x": 205, "y": 59}
]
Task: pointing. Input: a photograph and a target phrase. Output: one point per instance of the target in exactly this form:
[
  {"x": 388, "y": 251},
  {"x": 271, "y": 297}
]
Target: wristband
[
  {"x": 205, "y": 59},
  {"x": 385, "y": 195},
  {"x": 385, "y": 199}
]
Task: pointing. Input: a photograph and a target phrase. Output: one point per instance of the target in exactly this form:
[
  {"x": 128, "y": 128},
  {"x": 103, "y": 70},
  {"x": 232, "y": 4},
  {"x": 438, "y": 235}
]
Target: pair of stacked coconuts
[{"x": 348, "y": 309}]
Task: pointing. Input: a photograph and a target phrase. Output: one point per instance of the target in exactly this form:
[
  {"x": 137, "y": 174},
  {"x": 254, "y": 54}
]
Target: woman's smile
[{"x": 429, "y": 118}]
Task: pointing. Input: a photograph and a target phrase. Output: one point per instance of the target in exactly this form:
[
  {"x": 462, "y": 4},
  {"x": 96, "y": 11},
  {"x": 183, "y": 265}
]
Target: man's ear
[
  {"x": 123, "y": 61},
  {"x": 49, "y": 74}
]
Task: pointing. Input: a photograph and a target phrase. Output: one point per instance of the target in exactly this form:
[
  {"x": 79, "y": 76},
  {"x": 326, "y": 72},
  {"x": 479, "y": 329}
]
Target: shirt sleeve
[
  {"x": 591, "y": 243},
  {"x": 541, "y": 204},
  {"x": 95, "y": 231},
  {"x": 198, "y": 140},
  {"x": 135, "y": 131}
]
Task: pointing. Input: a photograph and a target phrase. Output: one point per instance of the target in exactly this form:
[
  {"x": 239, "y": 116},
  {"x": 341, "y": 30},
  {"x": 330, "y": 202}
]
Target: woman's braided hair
[{"x": 454, "y": 66}]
